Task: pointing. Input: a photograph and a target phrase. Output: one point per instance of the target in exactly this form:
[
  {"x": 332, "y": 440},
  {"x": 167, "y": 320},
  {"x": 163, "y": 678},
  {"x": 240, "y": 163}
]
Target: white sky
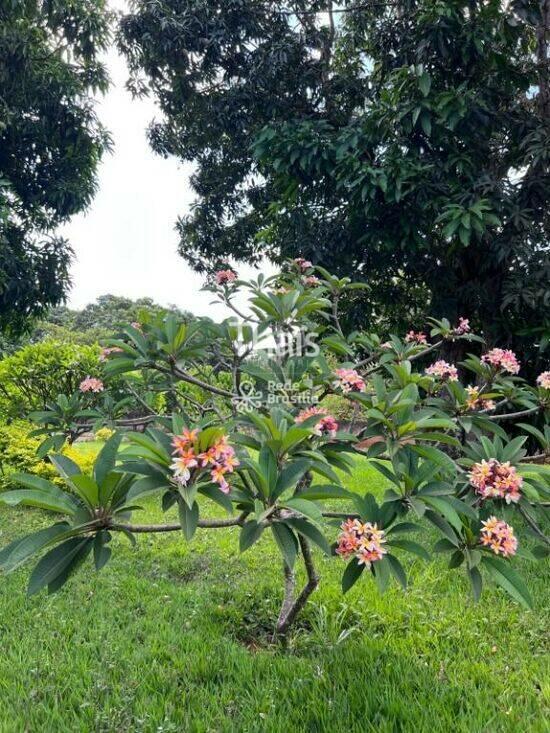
[{"x": 126, "y": 244}]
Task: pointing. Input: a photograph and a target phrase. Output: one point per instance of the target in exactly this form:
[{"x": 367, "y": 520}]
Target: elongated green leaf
[
  {"x": 250, "y": 533},
  {"x": 351, "y": 574},
  {"x": 54, "y": 563},
  {"x": 443, "y": 526},
  {"x": 19, "y": 551},
  {"x": 60, "y": 580},
  {"x": 105, "y": 461},
  {"x": 145, "y": 486},
  {"x": 397, "y": 571},
  {"x": 410, "y": 546},
  {"x": 509, "y": 580},
  {"x": 286, "y": 541},
  {"x": 189, "y": 518},
  {"x": 102, "y": 553},
  {"x": 43, "y": 500},
  {"x": 310, "y": 531},
  {"x": 87, "y": 488},
  {"x": 476, "y": 582},
  {"x": 381, "y": 570},
  {"x": 290, "y": 476},
  {"x": 305, "y": 507},
  {"x": 325, "y": 491},
  {"x": 446, "y": 509}
]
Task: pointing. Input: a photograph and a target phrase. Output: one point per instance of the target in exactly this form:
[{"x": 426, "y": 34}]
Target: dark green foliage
[
  {"x": 50, "y": 143},
  {"x": 404, "y": 142}
]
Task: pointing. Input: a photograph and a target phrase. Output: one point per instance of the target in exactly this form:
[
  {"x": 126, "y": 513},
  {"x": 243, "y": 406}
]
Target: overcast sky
[{"x": 125, "y": 243}]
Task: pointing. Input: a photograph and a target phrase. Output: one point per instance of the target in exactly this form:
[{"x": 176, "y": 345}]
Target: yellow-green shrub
[
  {"x": 18, "y": 453},
  {"x": 104, "y": 433}
]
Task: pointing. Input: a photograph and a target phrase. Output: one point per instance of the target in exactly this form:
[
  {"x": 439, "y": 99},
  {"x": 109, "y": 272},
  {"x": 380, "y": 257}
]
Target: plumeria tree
[{"x": 461, "y": 445}]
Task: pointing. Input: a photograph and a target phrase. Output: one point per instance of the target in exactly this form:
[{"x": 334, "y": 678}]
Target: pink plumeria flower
[
  {"x": 349, "y": 381},
  {"x": 327, "y": 425},
  {"x": 225, "y": 277},
  {"x": 106, "y": 352},
  {"x": 494, "y": 480},
  {"x": 91, "y": 384},
  {"x": 503, "y": 359},
  {"x": 416, "y": 337},
  {"x": 499, "y": 537},
  {"x": 363, "y": 541},
  {"x": 463, "y": 326},
  {"x": 303, "y": 264},
  {"x": 443, "y": 370},
  {"x": 543, "y": 380}
]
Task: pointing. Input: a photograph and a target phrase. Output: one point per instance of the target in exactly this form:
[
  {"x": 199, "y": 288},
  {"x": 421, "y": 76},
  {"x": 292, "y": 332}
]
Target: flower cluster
[
  {"x": 494, "y": 480},
  {"x": 327, "y": 425},
  {"x": 106, "y": 352},
  {"x": 416, "y": 337},
  {"x": 349, "y": 381},
  {"x": 137, "y": 325},
  {"x": 219, "y": 458},
  {"x": 303, "y": 264},
  {"x": 310, "y": 281},
  {"x": 463, "y": 326},
  {"x": 502, "y": 359},
  {"x": 91, "y": 384},
  {"x": 543, "y": 380},
  {"x": 443, "y": 370},
  {"x": 364, "y": 541},
  {"x": 499, "y": 537},
  {"x": 476, "y": 401},
  {"x": 224, "y": 277}
]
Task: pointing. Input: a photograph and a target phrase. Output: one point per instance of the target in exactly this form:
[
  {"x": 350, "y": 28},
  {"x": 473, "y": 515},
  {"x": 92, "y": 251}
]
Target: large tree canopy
[
  {"x": 405, "y": 142},
  {"x": 50, "y": 143}
]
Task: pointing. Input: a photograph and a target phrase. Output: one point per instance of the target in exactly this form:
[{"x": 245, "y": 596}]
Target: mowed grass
[{"x": 173, "y": 636}]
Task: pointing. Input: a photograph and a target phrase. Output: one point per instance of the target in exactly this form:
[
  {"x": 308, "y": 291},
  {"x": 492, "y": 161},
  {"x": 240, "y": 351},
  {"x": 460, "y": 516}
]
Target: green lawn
[{"x": 172, "y": 637}]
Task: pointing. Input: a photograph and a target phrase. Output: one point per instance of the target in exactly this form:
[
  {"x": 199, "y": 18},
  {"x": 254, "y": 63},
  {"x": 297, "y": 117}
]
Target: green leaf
[
  {"x": 351, "y": 574},
  {"x": 397, "y": 571},
  {"x": 444, "y": 507},
  {"x": 250, "y": 533},
  {"x": 310, "y": 531},
  {"x": 290, "y": 476},
  {"x": 87, "y": 488},
  {"x": 305, "y": 507},
  {"x": 509, "y": 580},
  {"x": 55, "y": 562},
  {"x": 19, "y": 551},
  {"x": 106, "y": 459},
  {"x": 443, "y": 526},
  {"x": 381, "y": 571},
  {"x": 102, "y": 553},
  {"x": 189, "y": 518},
  {"x": 325, "y": 491},
  {"x": 410, "y": 546},
  {"x": 43, "y": 500},
  {"x": 476, "y": 581},
  {"x": 286, "y": 541},
  {"x": 145, "y": 486},
  {"x": 424, "y": 83}
]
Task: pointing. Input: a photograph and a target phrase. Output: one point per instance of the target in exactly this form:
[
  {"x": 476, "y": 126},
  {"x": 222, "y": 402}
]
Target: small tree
[{"x": 265, "y": 449}]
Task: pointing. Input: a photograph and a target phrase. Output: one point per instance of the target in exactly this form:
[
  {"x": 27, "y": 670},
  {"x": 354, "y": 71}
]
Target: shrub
[
  {"x": 264, "y": 448},
  {"x": 34, "y": 376},
  {"x": 104, "y": 434},
  {"x": 18, "y": 453}
]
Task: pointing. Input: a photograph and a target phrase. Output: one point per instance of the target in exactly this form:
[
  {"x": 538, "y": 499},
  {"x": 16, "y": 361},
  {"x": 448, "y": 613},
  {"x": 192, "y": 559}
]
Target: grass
[{"x": 169, "y": 637}]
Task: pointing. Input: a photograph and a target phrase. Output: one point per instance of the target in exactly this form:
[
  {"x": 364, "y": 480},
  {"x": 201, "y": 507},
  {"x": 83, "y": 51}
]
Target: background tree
[
  {"x": 50, "y": 143},
  {"x": 404, "y": 142}
]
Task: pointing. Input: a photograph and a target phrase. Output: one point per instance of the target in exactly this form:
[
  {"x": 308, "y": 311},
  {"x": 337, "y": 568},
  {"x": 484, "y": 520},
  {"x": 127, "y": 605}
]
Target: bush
[
  {"x": 104, "y": 434},
  {"x": 34, "y": 376},
  {"x": 18, "y": 453}
]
